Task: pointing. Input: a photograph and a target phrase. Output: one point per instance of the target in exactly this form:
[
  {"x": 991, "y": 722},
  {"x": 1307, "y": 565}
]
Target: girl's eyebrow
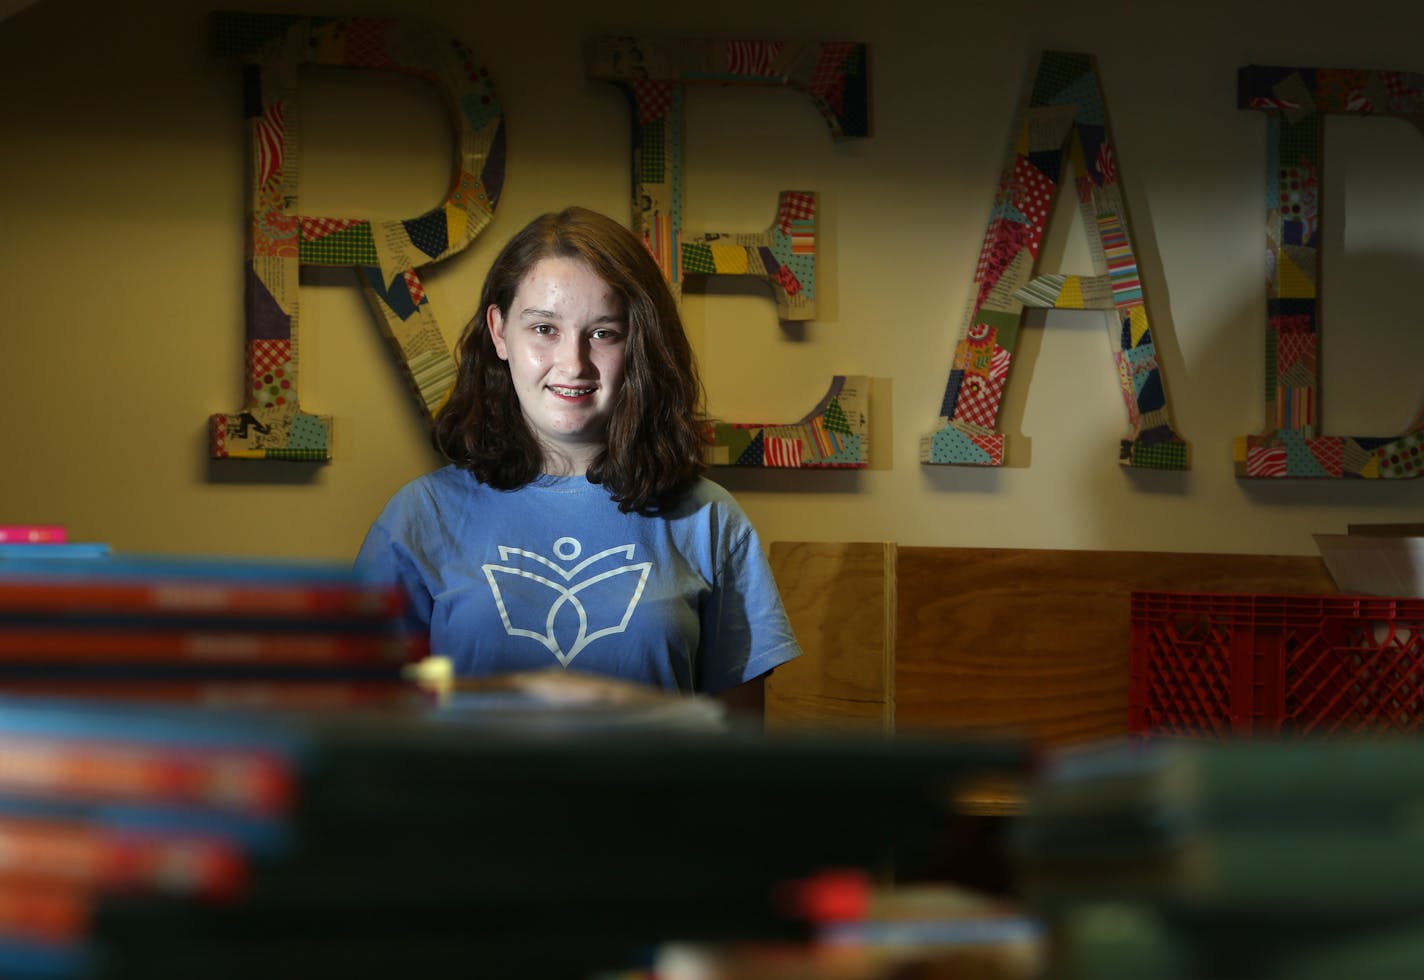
[{"x": 551, "y": 315}]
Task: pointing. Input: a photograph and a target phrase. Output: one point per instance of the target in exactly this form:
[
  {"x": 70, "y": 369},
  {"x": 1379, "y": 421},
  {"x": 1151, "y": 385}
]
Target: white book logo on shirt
[{"x": 601, "y": 601}]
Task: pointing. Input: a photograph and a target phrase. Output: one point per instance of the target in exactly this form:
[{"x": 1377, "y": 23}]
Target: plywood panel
[
  {"x": 840, "y": 598},
  {"x": 1034, "y": 643}
]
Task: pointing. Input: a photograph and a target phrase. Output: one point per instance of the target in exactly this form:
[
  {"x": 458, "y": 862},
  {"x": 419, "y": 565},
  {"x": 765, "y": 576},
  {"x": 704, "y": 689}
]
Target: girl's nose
[{"x": 572, "y": 355}]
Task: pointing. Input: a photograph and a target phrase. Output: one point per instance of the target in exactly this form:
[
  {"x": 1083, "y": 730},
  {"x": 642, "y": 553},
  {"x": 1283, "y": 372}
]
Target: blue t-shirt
[{"x": 554, "y": 574}]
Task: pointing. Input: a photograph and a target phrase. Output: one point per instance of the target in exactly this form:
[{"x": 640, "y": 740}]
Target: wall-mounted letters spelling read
[
  {"x": 385, "y": 254},
  {"x": 1064, "y": 120},
  {"x": 835, "y": 76},
  {"x": 1296, "y": 101}
]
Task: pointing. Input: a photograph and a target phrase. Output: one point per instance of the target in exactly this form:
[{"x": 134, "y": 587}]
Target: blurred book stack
[
  {"x": 127, "y": 802},
  {"x": 77, "y": 620},
  {"x": 172, "y": 804},
  {"x": 1236, "y": 859},
  {"x": 154, "y": 841}
]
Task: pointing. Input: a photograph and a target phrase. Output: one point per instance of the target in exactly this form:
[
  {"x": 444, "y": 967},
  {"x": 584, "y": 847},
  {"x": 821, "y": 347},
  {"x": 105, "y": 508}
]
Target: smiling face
[{"x": 565, "y": 340}]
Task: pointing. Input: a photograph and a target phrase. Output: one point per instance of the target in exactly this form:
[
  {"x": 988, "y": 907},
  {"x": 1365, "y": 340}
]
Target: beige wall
[{"x": 122, "y": 201}]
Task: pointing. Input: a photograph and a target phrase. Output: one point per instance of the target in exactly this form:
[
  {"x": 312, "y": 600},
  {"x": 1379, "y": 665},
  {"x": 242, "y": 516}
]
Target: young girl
[{"x": 573, "y": 526}]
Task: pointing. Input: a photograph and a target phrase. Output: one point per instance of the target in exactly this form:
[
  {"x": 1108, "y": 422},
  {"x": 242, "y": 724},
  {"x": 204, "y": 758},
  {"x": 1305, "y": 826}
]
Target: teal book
[{"x": 39, "y": 552}]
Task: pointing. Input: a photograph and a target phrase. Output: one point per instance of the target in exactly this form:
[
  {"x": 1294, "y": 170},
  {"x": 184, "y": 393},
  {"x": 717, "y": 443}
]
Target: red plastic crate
[{"x": 1203, "y": 665}]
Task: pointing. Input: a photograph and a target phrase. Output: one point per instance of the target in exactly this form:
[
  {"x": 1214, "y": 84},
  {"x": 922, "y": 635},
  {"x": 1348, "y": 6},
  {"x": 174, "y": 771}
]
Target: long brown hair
[{"x": 656, "y": 433}]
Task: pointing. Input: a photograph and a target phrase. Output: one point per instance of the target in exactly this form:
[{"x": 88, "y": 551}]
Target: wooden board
[
  {"x": 840, "y": 598},
  {"x": 1035, "y": 643}
]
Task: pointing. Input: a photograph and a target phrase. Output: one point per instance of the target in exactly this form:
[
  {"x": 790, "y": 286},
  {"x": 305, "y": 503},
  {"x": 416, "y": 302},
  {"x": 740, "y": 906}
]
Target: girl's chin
[{"x": 591, "y": 434}]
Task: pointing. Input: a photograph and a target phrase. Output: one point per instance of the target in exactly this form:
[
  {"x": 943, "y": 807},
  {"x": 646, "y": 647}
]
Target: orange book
[
  {"x": 44, "y": 909},
  {"x": 119, "y": 861},
  {"x": 248, "y": 780}
]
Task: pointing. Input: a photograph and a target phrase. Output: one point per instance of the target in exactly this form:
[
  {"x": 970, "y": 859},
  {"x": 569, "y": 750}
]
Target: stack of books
[
  {"x": 1238, "y": 859},
  {"x": 171, "y": 805},
  {"x": 126, "y": 802},
  {"x": 154, "y": 841},
  {"x": 77, "y": 620}
]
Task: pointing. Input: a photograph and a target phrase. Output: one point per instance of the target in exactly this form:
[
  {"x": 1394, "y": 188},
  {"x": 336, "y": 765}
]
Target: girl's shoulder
[
  {"x": 706, "y": 497},
  {"x": 433, "y": 490}
]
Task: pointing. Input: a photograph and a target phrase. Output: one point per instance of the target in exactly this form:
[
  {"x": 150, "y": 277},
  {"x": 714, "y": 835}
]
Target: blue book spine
[{"x": 44, "y": 552}]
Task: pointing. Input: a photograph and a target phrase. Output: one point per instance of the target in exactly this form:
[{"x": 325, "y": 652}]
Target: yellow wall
[{"x": 122, "y": 202}]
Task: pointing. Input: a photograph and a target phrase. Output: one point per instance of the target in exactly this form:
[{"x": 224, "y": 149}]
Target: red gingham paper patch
[
  {"x": 795, "y": 207},
  {"x": 978, "y": 402},
  {"x": 654, "y": 99}
]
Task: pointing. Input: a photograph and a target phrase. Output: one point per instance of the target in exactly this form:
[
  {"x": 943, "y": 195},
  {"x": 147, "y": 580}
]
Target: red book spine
[
  {"x": 33, "y": 534},
  {"x": 197, "y": 598},
  {"x": 198, "y": 646},
  {"x": 295, "y": 695}
]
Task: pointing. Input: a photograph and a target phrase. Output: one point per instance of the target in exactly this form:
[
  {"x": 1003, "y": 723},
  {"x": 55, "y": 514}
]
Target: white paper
[{"x": 1374, "y": 565}]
